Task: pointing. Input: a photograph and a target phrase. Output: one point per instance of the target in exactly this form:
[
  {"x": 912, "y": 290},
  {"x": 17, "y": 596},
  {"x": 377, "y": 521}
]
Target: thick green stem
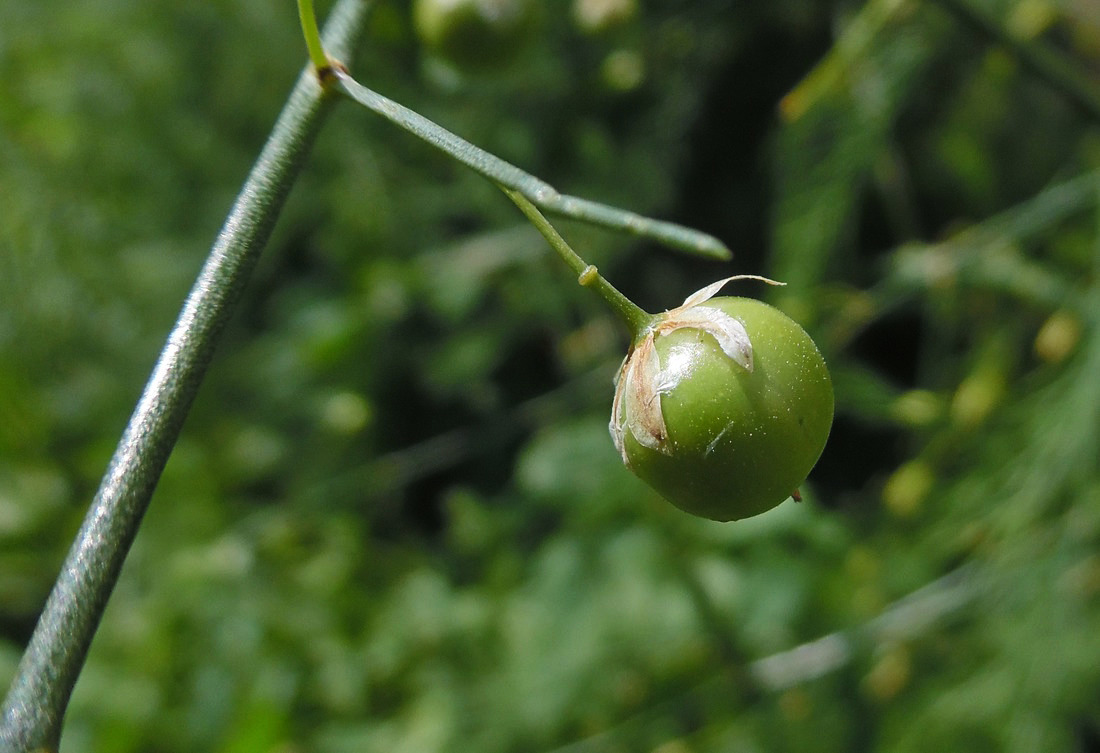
[
  {"x": 634, "y": 317},
  {"x": 35, "y": 705}
]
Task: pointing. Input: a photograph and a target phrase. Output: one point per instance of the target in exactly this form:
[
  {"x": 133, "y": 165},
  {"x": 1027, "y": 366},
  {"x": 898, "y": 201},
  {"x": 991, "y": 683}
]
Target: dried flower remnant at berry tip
[{"x": 641, "y": 380}]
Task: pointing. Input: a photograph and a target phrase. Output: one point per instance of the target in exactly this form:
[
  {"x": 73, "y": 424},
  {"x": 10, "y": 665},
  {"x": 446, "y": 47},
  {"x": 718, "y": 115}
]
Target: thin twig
[
  {"x": 35, "y": 706},
  {"x": 316, "y": 48},
  {"x": 587, "y": 275},
  {"x": 537, "y": 191}
]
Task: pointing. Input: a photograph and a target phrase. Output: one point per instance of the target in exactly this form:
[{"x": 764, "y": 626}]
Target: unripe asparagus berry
[{"x": 722, "y": 430}]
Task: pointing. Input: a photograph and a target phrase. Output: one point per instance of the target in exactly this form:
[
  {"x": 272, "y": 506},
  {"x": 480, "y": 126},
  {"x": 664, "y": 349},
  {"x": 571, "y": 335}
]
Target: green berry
[{"x": 736, "y": 429}]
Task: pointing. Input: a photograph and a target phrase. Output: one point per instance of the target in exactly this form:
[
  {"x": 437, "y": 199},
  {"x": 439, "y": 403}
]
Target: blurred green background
[{"x": 395, "y": 520}]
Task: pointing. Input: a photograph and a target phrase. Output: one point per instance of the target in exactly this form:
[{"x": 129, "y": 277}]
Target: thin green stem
[
  {"x": 308, "y": 19},
  {"x": 634, "y": 317},
  {"x": 35, "y": 706},
  {"x": 537, "y": 191}
]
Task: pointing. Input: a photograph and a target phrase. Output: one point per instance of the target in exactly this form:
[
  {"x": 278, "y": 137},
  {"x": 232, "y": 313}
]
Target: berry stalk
[{"x": 635, "y": 318}]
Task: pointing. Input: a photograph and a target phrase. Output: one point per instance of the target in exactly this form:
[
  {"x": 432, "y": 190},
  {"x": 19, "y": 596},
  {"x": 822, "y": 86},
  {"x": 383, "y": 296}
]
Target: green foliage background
[{"x": 395, "y": 521}]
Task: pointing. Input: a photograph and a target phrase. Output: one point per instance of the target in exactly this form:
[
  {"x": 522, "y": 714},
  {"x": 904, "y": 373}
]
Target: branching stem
[
  {"x": 634, "y": 317},
  {"x": 537, "y": 191}
]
